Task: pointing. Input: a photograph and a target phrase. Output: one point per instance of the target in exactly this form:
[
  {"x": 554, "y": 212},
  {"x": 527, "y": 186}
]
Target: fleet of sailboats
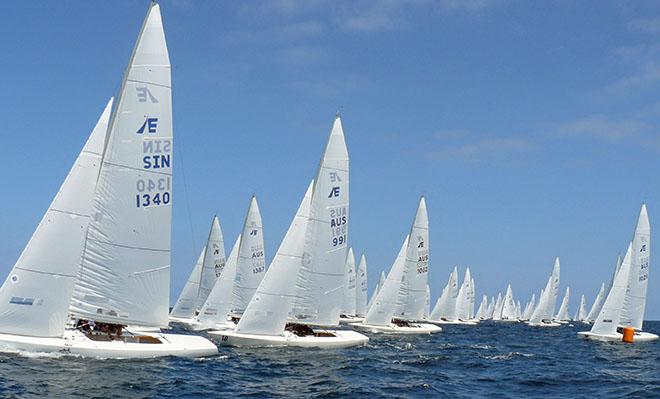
[{"x": 94, "y": 278}]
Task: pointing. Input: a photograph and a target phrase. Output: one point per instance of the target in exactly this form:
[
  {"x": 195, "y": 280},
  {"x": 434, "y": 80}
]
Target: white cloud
[{"x": 646, "y": 25}]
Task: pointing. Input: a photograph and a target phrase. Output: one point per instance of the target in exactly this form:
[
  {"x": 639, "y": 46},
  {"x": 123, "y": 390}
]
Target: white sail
[
  {"x": 362, "y": 288},
  {"x": 34, "y": 299},
  {"x": 321, "y": 279},
  {"x": 463, "y": 298},
  {"x": 508, "y": 305},
  {"x": 349, "y": 302},
  {"x": 562, "y": 314},
  {"x": 251, "y": 265},
  {"x": 581, "y": 312},
  {"x": 208, "y": 267},
  {"x": 598, "y": 304},
  {"x": 483, "y": 308},
  {"x": 412, "y": 292},
  {"x": 548, "y": 299},
  {"x": 610, "y": 315},
  {"x": 125, "y": 273},
  {"x": 220, "y": 301},
  {"x": 491, "y": 308},
  {"x": 472, "y": 297},
  {"x": 267, "y": 311},
  {"x": 379, "y": 285},
  {"x": 529, "y": 308},
  {"x": 445, "y": 307},
  {"x": 632, "y": 313},
  {"x": 518, "y": 311},
  {"x": 499, "y": 304},
  {"x": 384, "y": 306}
]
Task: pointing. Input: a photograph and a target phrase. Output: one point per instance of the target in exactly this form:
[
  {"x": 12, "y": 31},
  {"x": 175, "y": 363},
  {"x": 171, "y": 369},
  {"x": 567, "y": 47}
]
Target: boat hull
[
  {"x": 639, "y": 336},
  {"x": 351, "y": 320},
  {"x": 340, "y": 339},
  {"x": 413, "y": 329},
  {"x": 75, "y": 342},
  {"x": 548, "y": 324},
  {"x": 457, "y": 322}
]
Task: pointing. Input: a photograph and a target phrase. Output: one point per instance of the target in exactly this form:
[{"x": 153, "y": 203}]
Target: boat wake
[{"x": 508, "y": 356}]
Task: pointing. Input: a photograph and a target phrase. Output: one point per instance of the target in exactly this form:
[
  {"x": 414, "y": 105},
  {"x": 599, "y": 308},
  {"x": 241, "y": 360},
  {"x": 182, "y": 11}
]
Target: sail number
[
  {"x": 423, "y": 262},
  {"x": 153, "y": 192},
  {"x": 339, "y": 225}
]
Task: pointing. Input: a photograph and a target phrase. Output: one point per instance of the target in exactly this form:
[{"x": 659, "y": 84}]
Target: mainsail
[
  {"x": 125, "y": 273},
  {"x": 321, "y": 278},
  {"x": 35, "y": 297},
  {"x": 251, "y": 265}
]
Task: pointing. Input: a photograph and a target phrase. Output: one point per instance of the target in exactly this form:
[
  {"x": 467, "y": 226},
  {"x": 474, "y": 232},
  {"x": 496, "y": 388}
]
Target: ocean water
[{"x": 488, "y": 360}]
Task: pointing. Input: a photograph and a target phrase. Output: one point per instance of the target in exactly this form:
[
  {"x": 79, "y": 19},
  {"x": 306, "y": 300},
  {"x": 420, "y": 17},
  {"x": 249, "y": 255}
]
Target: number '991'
[{"x": 339, "y": 240}]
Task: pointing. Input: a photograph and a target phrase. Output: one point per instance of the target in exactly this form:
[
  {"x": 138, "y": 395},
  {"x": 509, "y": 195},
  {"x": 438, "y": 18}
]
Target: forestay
[
  {"x": 125, "y": 272},
  {"x": 35, "y": 297}
]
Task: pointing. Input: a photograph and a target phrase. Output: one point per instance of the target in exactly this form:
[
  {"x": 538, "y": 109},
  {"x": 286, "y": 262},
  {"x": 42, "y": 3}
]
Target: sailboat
[
  {"x": 483, "y": 309},
  {"x": 379, "y": 285},
  {"x": 427, "y": 302},
  {"x": 581, "y": 312},
  {"x": 349, "y": 304},
  {"x": 529, "y": 308},
  {"x": 497, "y": 310},
  {"x": 299, "y": 299},
  {"x": 207, "y": 269},
  {"x": 464, "y": 304},
  {"x": 545, "y": 310},
  {"x": 444, "y": 311},
  {"x": 508, "y": 313},
  {"x": 101, "y": 254},
  {"x": 597, "y": 306},
  {"x": 400, "y": 304},
  {"x": 622, "y": 315},
  {"x": 362, "y": 290},
  {"x": 562, "y": 315},
  {"x": 242, "y": 274}
]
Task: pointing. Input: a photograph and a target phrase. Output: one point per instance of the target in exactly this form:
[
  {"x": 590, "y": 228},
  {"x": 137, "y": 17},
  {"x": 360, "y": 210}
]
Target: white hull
[
  {"x": 640, "y": 336},
  {"x": 413, "y": 328},
  {"x": 339, "y": 339},
  {"x": 351, "y": 320},
  {"x": 76, "y": 343},
  {"x": 506, "y": 320},
  {"x": 544, "y": 324},
  {"x": 458, "y": 322}
]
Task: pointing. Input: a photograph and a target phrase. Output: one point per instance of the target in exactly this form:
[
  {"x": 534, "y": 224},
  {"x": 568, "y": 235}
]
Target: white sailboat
[
  {"x": 529, "y": 308},
  {"x": 444, "y": 311},
  {"x": 623, "y": 309},
  {"x": 304, "y": 283},
  {"x": 349, "y": 303},
  {"x": 545, "y": 310},
  {"x": 464, "y": 304},
  {"x": 209, "y": 266},
  {"x": 362, "y": 289},
  {"x": 401, "y": 301},
  {"x": 491, "y": 308},
  {"x": 102, "y": 252},
  {"x": 581, "y": 312},
  {"x": 242, "y": 274},
  {"x": 597, "y": 306},
  {"x": 562, "y": 315},
  {"x": 508, "y": 313},
  {"x": 497, "y": 310},
  {"x": 482, "y": 311}
]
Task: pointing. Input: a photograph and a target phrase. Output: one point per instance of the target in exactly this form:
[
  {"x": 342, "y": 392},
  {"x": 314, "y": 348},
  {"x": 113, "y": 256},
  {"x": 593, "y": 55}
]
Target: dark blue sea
[{"x": 488, "y": 360}]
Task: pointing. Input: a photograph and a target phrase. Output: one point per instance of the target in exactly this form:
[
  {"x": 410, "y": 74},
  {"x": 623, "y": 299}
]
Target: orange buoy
[{"x": 628, "y": 335}]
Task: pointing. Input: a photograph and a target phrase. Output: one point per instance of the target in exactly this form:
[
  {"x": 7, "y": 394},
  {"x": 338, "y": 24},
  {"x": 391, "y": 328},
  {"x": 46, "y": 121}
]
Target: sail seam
[
  {"x": 138, "y": 169},
  {"x": 129, "y": 246},
  {"x": 68, "y": 212},
  {"x": 149, "y": 83},
  {"x": 46, "y": 273}
]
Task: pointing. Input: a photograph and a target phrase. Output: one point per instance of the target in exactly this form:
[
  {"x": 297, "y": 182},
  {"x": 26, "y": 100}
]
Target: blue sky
[{"x": 531, "y": 127}]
